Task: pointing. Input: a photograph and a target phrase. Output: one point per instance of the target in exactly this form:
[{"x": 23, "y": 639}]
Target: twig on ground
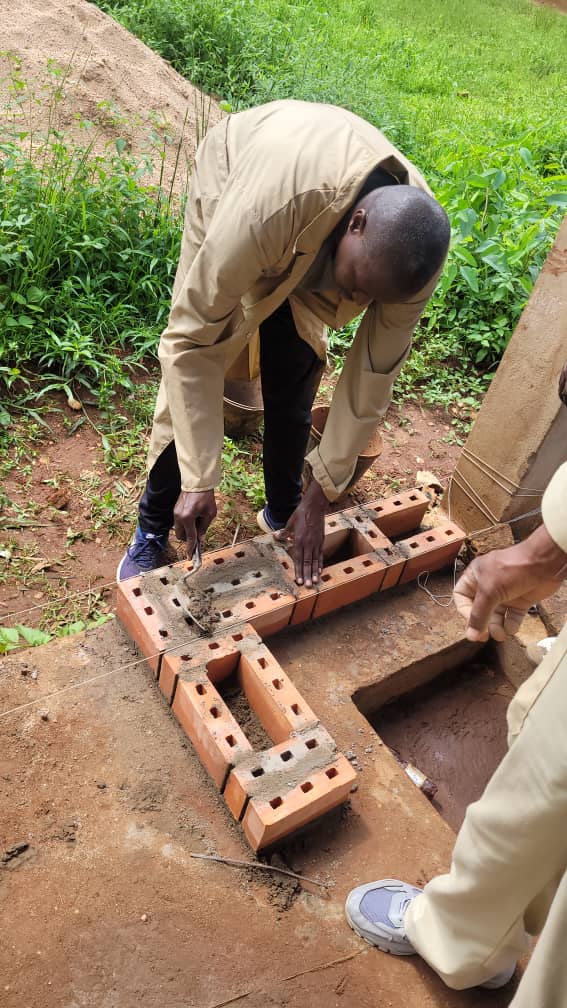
[
  {"x": 235, "y": 536},
  {"x": 293, "y": 976},
  {"x": 262, "y": 867}
]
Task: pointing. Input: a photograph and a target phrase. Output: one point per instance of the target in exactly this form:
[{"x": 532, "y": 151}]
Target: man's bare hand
[
  {"x": 497, "y": 589},
  {"x": 306, "y": 530},
  {"x": 192, "y": 515}
]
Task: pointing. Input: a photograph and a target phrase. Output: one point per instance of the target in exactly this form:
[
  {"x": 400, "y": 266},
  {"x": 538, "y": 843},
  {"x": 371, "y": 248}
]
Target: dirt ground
[{"x": 104, "y": 802}]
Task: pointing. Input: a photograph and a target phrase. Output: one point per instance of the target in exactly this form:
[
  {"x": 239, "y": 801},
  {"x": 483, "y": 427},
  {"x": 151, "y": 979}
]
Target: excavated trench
[{"x": 453, "y": 729}]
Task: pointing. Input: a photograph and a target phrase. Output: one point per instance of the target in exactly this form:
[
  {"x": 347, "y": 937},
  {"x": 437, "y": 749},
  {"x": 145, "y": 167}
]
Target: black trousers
[{"x": 290, "y": 372}]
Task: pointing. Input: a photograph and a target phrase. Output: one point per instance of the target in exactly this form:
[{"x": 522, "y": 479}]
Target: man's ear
[{"x": 357, "y": 223}]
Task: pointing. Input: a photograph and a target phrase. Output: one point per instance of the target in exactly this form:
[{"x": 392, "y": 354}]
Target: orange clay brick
[
  {"x": 141, "y": 621},
  {"x": 217, "y": 658},
  {"x": 205, "y": 718},
  {"x": 262, "y": 774},
  {"x": 271, "y": 694},
  {"x": 431, "y": 550},
  {"x": 266, "y": 822},
  {"x": 348, "y": 582},
  {"x": 398, "y": 514}
]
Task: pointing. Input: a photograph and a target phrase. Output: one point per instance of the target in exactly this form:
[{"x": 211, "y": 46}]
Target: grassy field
[{"x": 474, "y": 94}]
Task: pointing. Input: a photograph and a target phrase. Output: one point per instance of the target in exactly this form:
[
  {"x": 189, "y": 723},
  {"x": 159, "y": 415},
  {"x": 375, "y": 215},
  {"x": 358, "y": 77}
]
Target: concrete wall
[{"x": 520, "y": 434}]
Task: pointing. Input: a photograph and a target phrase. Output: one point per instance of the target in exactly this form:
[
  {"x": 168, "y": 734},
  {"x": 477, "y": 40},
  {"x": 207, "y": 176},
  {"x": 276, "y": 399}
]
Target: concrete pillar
[{"x": 519, "y": 437}]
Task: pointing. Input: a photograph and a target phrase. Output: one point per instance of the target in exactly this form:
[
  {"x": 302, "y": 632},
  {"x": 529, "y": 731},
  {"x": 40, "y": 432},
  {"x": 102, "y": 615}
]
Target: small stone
[
  {"x": 351, "y": 755},
  {"x": 44, "y": 714},
  {"x": 144, "y": 918},
  {"x": 101, "y": 785},
  {"x": 33, "y": 675},
  {"x": 368, "y": 749},
  {"x": 354, "y": 789}
]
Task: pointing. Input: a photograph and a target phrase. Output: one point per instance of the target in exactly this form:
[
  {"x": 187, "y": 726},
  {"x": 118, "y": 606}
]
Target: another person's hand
[
  {"x": 192, "y": 515},
  {"x": 497, "y": 589},
  {"x": 306, "y": 530}
]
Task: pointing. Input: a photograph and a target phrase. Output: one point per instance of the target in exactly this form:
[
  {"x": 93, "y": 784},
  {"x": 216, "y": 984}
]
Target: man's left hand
[{"x": 306, "y": 530}]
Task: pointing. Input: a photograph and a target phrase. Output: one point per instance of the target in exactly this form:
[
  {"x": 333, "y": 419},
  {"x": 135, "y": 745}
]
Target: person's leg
[
  {"x": 544, "y": 983},
  {"x": 163, "y": 486},
  {"x": 470, "y": 924},
  {"x": 290, "y": 372},
  {"x": 510, "y": 853}
]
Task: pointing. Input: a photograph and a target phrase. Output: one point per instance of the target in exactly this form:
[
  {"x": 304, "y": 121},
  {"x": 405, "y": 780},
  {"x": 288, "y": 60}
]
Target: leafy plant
[
  {"x": 241, "y": 474},
  {"x": 21, "y": 636},
  {"x": 87, "y": 256}
]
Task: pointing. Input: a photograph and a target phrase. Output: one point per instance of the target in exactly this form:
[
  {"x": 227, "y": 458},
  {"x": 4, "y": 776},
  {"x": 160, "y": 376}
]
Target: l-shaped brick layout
[{"x": 195, "y": 631}]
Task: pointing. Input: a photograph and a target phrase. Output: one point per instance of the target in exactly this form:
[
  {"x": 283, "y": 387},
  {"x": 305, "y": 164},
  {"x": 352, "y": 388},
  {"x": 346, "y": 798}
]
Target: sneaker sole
[{"x": 384, "y": 944}]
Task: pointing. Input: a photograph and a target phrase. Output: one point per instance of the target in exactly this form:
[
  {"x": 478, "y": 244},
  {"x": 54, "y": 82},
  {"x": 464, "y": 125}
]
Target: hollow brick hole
[
  {"x": 276, "y": 802},
  {"x": 307, "y": 786}
]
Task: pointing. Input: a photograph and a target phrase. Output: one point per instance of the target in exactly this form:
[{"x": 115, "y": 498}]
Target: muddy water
[{"x": 454, "y": 730}]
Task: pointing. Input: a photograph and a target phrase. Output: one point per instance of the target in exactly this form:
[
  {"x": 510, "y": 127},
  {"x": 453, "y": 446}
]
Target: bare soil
[
  {"x": 104, "y": 801},
  {"x": 454, "y": 731}
]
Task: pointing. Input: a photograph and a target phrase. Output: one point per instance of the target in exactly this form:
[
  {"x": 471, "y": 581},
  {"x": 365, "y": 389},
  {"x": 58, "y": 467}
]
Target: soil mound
[{"x": 106, "y": 76}]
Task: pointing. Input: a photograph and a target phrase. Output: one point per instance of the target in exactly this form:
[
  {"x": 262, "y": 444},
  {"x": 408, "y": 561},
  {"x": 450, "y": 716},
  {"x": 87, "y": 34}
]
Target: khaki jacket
[
  {"x": 554, "y": 507},
  {"x": 268, "y": 188}
]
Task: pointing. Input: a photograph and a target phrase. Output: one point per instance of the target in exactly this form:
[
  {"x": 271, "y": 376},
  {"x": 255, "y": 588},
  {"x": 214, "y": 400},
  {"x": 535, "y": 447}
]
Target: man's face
[{"x": 356, "y": 278}]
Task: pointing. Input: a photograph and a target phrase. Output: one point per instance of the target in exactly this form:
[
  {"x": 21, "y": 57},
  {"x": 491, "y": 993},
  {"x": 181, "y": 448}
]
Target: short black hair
[{"x": 408, "y": 232}]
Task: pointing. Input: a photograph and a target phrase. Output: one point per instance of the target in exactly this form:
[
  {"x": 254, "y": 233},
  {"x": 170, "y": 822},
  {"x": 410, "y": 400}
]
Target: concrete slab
[{"x": 107, "y": 908}]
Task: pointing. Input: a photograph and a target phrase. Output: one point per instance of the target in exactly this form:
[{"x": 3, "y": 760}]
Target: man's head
[{"x": 395, "y": 240}]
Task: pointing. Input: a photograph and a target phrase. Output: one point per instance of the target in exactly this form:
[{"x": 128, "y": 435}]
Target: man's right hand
[
  {"x": 497, "y": 589},
  {"x": 192, "y": 515}
]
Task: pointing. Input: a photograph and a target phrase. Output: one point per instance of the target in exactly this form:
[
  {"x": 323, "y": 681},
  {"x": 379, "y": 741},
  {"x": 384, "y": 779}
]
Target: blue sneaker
[
  {"x": 147, "y": 552},
  {"x": 376, "y": 912}
]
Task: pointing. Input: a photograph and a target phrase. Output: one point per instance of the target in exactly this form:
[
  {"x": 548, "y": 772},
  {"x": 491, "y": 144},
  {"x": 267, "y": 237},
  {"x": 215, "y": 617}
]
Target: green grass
[
  {"x": 474, "y": 94},
  {"x": 88, "y": 250}
]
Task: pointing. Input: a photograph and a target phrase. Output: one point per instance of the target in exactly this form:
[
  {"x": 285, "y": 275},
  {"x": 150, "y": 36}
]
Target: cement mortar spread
[
  {"x": 184, "y": 599},
  {"x": 109, "y": 908}
]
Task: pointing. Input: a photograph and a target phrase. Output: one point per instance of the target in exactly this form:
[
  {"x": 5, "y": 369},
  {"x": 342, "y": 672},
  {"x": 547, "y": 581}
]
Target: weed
[
  {"x": 87, "y": 254},
  {"x": 241, "y": 473}
]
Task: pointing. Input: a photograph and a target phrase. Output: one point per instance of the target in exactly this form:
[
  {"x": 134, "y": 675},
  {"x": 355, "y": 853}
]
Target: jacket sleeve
[
  {"x": 375, "y": 359},
  {"x": 200, "y": 342},
  {"x": 554, "y": 507}
]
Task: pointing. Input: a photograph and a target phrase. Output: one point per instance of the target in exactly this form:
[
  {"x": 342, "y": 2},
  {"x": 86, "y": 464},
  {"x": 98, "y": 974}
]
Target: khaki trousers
[{"x": 508, "y": 873}]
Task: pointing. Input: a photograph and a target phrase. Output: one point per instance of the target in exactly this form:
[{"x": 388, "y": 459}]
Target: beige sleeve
[
  {"x": 198, "y": 344},
  {"x": 554, "y": 507},
  {"x": 380, "y": 348}
]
